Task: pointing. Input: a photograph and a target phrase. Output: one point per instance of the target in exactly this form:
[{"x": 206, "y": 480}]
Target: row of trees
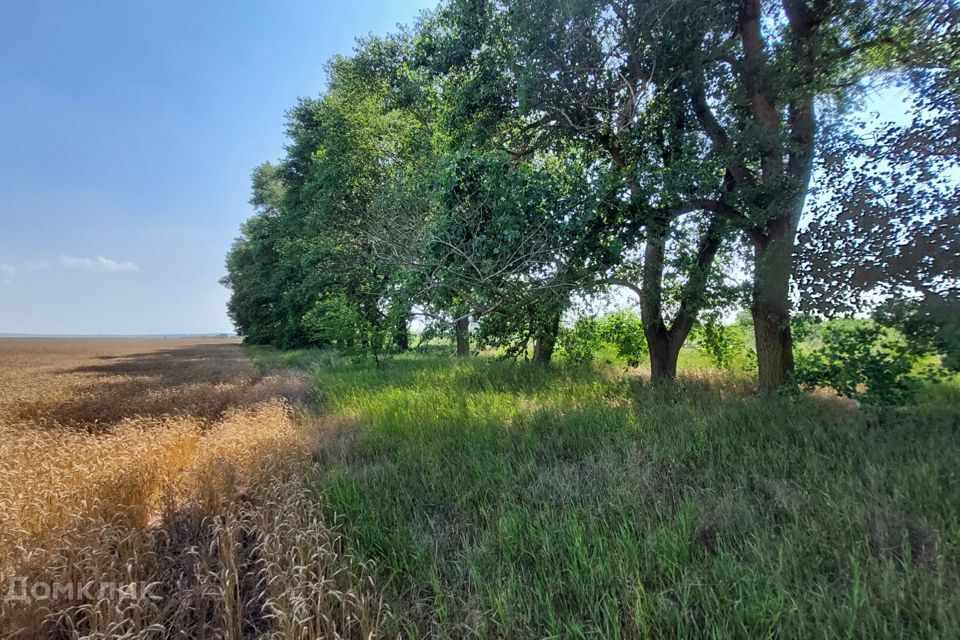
[{"x": 502, "y": 158}]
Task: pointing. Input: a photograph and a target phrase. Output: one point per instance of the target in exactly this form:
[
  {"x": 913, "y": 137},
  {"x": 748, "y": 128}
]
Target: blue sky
[{"x": 128, "y": 131}]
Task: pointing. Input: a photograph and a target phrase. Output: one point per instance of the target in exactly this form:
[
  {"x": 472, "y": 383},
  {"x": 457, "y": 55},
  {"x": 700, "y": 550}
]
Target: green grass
[{"x": 499, "y": 500}]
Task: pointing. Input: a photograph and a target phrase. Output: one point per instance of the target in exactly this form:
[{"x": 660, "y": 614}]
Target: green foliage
[
  {"x": 581, "y": 342},
  {"x": 887, "y": 223},
  {"x": 622, "y": 331},
  {"x": 930, "y": 325},
  {"x": 863, "y": 361},
  {"x": 336, "y": 320},
  {"x": 498, "y": 234},
  {"x": 803, "y": 326},
  {"x": 304, "y": 245},
  {"x": 254, "y": 265},
  {"x": 723, "y": 343},
  {"x": 496, "y": 160}
]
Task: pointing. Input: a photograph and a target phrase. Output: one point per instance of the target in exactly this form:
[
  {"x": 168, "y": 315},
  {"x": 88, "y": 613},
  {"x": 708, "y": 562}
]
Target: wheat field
[{"x": 155, "y": 489}]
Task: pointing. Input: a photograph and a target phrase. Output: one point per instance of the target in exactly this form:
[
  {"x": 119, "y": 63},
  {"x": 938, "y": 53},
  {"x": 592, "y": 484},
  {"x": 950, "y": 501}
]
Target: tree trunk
[
  {"x": 401, "y": 336},
  {"x": 462, "y": 329},
  {"x": 773, "y": 262},
  {"x": 546, "y": 341},
  {"x": 663, "y": 349},
  {"x": 664, "y": 353},
  {"x": 663, "y": 342}
]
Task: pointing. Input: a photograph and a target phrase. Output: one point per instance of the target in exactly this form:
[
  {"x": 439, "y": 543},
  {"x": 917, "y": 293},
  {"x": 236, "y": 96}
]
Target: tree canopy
[{"x": 500, "y": 158}]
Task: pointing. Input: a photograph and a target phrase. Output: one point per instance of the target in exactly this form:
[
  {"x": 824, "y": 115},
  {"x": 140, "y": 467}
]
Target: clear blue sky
[{"x": 128, "y": 131}]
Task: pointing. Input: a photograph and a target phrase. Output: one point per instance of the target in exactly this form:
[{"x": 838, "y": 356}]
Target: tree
[
  {"x": 253, "y": 264},
  {"x": 491, "y": 238},
  {"x": 505, "y": 154},
  {"x": 739, "y": 79},
  {"x": 567, "y": 81},
  {"x": 305, "y": 248}
]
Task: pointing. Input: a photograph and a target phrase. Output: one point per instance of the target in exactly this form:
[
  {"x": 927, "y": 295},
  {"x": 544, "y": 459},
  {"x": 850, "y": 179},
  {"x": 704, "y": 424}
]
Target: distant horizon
[{"x": 202, "y": 334}]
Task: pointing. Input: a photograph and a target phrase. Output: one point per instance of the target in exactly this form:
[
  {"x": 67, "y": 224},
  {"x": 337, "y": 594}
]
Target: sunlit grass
[{"x": 499, "y": 499}]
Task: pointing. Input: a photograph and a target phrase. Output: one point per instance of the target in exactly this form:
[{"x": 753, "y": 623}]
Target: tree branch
[
  {"x": 717, "y": 207},
  {"x": 696, "y": 93}
]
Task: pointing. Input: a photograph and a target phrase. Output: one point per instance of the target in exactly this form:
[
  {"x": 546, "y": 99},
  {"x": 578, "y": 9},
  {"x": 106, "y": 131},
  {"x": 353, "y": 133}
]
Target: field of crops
[
  {"x": 203, "y": 489},
  {"x": 155, "y": 489}
]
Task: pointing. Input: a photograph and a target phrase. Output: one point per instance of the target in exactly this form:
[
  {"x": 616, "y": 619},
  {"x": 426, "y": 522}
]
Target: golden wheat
[{"x": 174, "y": 469}]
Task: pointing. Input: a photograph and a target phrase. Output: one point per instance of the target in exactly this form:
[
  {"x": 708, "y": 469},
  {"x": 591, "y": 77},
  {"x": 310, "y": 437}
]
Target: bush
[
  {"x": 720, "y": 342},
  {"x": 624, "y": 331},
  {"x": 931, "y": 326},
  {"x": 621, "y": 331},
  {"x": 335, "y": 320},
  {"x": 580, "y": 342},
  {"x": 863, "y": 361}
]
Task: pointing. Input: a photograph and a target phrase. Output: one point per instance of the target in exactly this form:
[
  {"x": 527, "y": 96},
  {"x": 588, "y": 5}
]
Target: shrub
[
  {"x": 334, "y": 319},
  {"x": 931, "y": 325},
  {"x": 581, "y": 342},
  {"x": 624, "y": 331},
  {"x": 719, "y": 341},
  {"x": 621, "y": 331},
  {"x": 863, "y": 361}
]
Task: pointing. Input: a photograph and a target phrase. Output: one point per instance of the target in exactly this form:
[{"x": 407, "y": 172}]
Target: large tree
[
  {"x": 480, "y": 232},
  {"x": 492, "y": 238},
  {"x": 254, "y": 270},
  {"x": 306, "y": 244},
  {"x": 484, "y": 52},
  {"x": 736, "y": 84}
]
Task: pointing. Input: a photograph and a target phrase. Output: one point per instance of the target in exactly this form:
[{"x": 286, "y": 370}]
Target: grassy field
[
  {"x": 305, "y": 495},
  {"x": 499, "y": 500}
]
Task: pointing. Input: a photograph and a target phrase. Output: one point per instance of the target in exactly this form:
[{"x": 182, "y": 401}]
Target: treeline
[{"x": 498, "y": 161}]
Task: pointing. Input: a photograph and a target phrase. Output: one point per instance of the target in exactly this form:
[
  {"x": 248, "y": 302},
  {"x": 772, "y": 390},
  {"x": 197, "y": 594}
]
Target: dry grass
[{"x": 176, "y": 466}]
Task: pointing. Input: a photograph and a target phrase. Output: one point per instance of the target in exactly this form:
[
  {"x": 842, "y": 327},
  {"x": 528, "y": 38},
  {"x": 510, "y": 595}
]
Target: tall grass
[{"x": 499, "y": 500}]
